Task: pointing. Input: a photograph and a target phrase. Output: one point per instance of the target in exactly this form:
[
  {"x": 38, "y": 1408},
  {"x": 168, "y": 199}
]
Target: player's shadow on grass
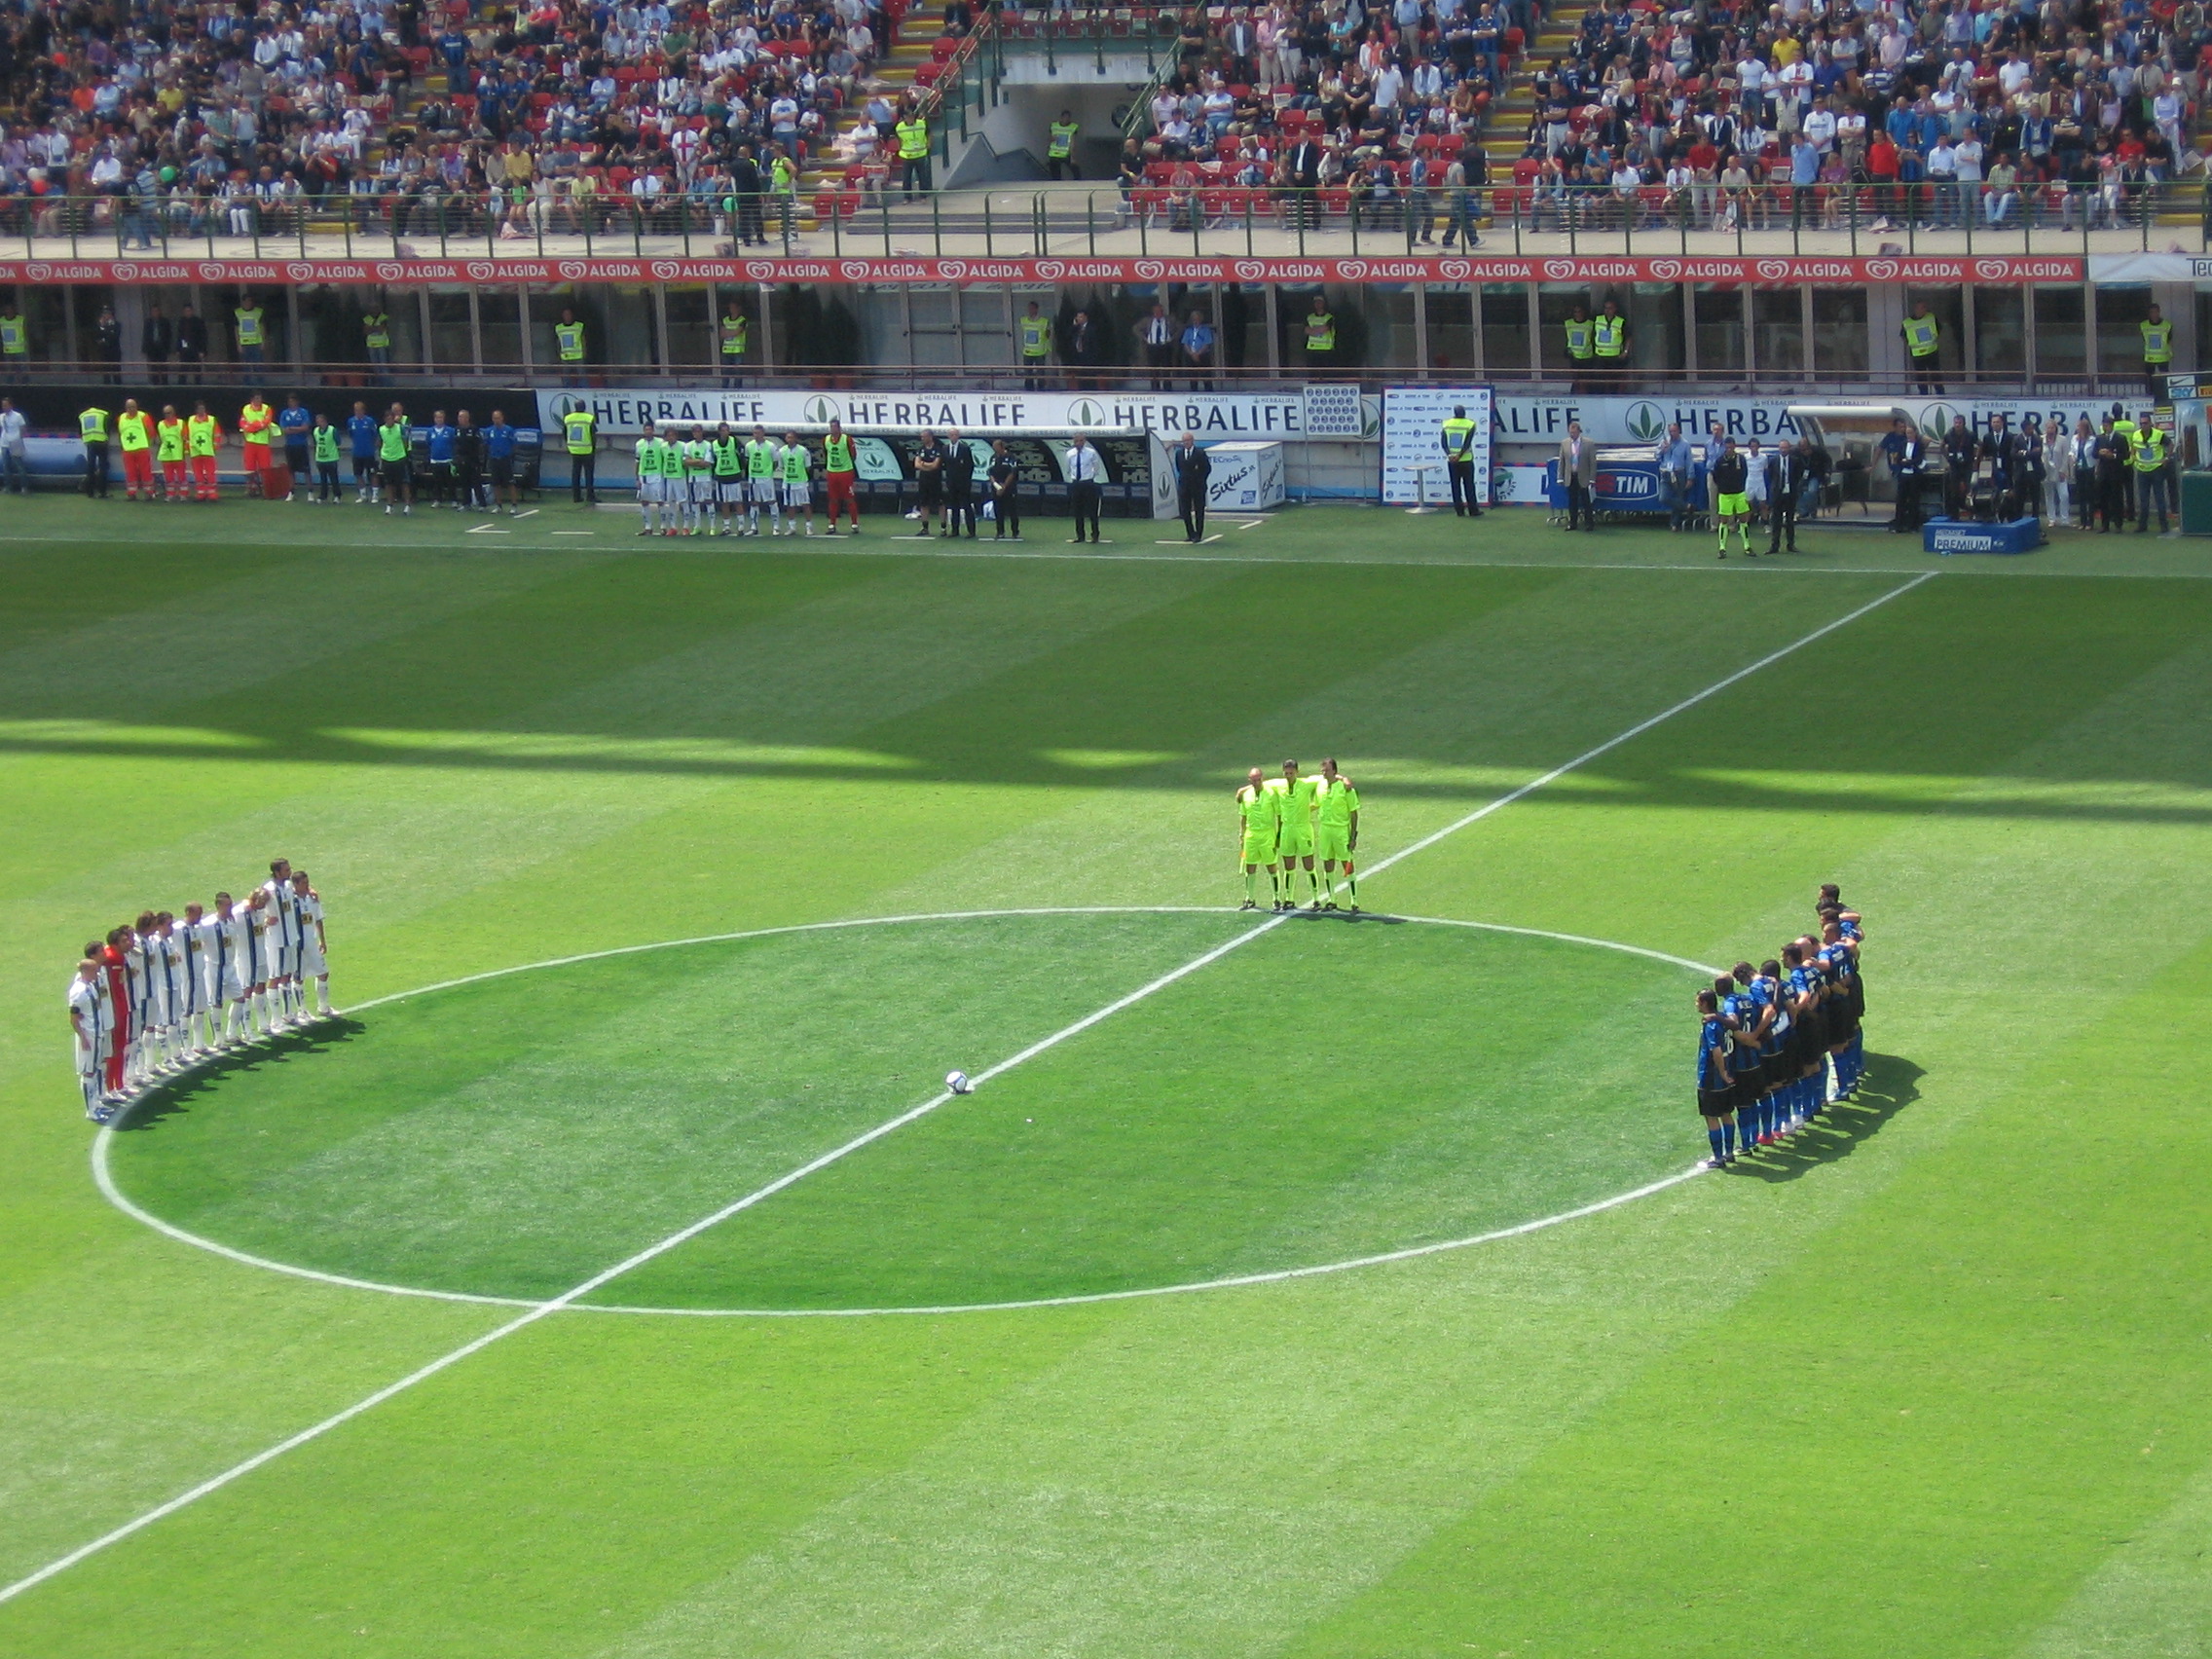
[
  {"x": 179, "y": 1094},
  {"x": 1891, "y": 1084}
]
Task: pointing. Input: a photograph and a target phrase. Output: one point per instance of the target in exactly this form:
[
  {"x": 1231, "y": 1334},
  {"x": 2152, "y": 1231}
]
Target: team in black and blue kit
[{"x": 1778, "y": 1044}]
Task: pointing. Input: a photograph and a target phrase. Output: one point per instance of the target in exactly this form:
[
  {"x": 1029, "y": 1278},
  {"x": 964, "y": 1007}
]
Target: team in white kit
[
  {"x": 162, "y": 994},
  {"x": 721, "y": 484}
]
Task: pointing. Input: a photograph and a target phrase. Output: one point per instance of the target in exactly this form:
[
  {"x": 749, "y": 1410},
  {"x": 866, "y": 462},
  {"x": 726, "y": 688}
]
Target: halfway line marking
[{"x": 532, "y": 1316}]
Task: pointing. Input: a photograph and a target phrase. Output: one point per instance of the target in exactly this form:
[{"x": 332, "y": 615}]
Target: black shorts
[
  {"x": 296, "y": 458},
  {"x": 1750, "y": 1080},
  {"x": 398, "y": 473},
  {"x": 502, "y": 468},
  {"x": 1716, "y": 1102},
  {"x": 364, "y": 468},
  {"x": 932, "y": 487},
  {"x": 1858, "y": 999}
]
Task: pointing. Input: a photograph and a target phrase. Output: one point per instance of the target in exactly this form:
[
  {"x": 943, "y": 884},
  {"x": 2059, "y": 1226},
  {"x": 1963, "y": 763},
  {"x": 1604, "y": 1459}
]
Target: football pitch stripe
[
  {"x": 891, "y": 545},
  {"x": 534, "y": 1314}
]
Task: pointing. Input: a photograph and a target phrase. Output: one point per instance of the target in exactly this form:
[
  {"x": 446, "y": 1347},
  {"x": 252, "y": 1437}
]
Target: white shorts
[
  {"x": 651, "y": 488},
  {"x": 730, "y": 492},
  {"x": 311, "y": 963},
  {"x": 87, "y": 1055},
  {"x": 157, "y": 1002},
  {"x": 225, "y": 987},
  {"x": 798, "y": 494},
  {"x": 764, "y": 491}
]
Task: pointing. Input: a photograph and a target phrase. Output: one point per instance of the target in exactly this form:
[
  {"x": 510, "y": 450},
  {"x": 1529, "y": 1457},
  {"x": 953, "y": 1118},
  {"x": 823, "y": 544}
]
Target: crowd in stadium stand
[
  {"x": 195, "y": 120},
  {"x": 191, "y": 120},
  {"x": 1940, "y": 116},
  {"x": 1369, "y": 113}
]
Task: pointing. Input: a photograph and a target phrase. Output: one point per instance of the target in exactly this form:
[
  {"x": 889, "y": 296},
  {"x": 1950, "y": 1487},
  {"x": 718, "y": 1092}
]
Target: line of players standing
[
  {"x": 158, "y": 995},
  {"x": 1777, "y": 1044}
]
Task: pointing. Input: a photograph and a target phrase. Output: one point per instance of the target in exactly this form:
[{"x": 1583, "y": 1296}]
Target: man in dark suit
[
  {"x": 157, "y": 341},
  {"x": 1078, "y": 347},
  {"x": 1193, "y": 468},
  {"x": 959, "y": 485},
  {"x": 1156, "y": 337},
  {"x": 1302, "y": 171},
  {"x": 1787, "y": 469}
]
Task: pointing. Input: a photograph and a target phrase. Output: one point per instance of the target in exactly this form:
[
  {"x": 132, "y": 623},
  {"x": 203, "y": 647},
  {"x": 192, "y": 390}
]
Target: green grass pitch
[{"x": 1934, "y": 1384}]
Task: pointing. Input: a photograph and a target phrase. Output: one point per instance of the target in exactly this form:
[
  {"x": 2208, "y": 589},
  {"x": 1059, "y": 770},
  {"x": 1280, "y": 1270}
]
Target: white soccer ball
[{"x": 957, "y": 1082}]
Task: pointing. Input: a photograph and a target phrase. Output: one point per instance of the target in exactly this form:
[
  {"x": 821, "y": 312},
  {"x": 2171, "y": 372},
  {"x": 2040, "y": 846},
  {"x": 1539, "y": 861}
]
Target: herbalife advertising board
[
  {"x": 1524, "y": 420},
  {"x": 1213, "y": 416}
]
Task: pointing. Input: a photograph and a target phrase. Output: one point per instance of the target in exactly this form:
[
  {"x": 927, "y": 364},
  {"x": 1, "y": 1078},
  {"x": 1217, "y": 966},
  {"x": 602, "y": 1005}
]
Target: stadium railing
[{"x": 1172, "y": 214}]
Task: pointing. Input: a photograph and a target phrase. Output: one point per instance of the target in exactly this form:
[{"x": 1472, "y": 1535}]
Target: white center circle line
[{"x": 104, "y": 1178}]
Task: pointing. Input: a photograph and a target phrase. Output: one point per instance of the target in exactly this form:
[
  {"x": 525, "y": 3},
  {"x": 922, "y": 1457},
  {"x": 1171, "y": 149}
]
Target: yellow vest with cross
[
  {"x": 1578, "y": 338},
  {"x": 569, "y": 337},
  {"x": 1612, "y": 335},
  {"x": 1922, "y": 335},
  {"x": 2158, "y": 342},
  {"x": 737, "y": 332},
  {"x": 1320, "y": 331},
  {"x": 1036, "y": 336}
]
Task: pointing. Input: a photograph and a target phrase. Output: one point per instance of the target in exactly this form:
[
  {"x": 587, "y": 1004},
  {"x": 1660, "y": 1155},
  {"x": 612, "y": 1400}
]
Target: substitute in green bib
[
  {"x": 839, "y": 475},
  {"x": 395, "y": 459},
  {"x": 1581, "y": 348},
  {"x": 729, "y": 478},
  {"x": 323, "y": 440},
  {"x": 652, "y": 515},
  {"x": 2157, "y": 354},
  {"x": 1924, "y": 346},
  {"x": 795, "y": 470},
  {"x": 1060, "y": 147},
  {"x": 579, "y": 434},
  {"x": 15, "y": 335},
  {"x": 761, "y": 452},
  {"x": 1036, "y": 331}
]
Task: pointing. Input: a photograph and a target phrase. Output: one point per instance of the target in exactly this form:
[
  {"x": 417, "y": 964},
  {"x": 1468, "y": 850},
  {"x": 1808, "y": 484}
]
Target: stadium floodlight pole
[{"x": 599, "y": 1281}]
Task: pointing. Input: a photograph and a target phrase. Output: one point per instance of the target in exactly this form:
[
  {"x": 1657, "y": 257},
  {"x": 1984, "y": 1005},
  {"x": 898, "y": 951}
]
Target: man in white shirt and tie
[
  {"x": 1086, "y": 479},
  {"x": 1156, "y": 335}
]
